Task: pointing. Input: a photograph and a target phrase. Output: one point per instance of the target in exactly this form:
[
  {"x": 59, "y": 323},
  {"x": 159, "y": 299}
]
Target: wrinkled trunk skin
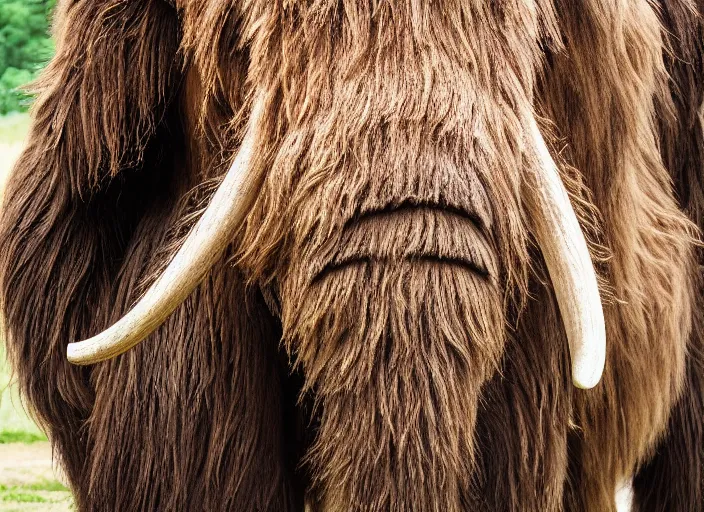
[{"x": 382, "y": 335}]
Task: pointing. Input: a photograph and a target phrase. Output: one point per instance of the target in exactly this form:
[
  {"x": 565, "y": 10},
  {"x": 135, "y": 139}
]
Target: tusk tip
[
  {"x": 84, "y": 353},
  {"x": 586, "y": 382},
  {"x": 587, "y": 373},
  {"x": 74, "y": 356}
]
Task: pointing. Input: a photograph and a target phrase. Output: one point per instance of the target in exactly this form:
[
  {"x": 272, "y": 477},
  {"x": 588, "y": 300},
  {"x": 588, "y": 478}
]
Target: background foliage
[{"x": 25, "y": 46}]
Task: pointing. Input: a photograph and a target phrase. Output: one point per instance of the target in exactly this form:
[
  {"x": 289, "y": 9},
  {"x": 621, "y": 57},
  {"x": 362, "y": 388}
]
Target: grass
[
  {"x": 41, "y": 485},
  {"x": 41, "y": 491},
  {"x": 27, "y": 498},
  {"x": 19, "y": 436},
  {"x": 22, "y": 497}
]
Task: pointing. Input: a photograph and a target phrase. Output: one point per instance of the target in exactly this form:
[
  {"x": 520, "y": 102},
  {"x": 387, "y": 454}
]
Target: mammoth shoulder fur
[{"x": 382, "y": 255}]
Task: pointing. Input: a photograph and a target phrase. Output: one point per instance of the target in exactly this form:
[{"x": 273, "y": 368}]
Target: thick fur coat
[{"x": 382, "y": 334}]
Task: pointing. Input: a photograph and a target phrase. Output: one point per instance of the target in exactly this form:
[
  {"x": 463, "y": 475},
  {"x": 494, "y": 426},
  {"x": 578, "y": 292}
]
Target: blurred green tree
[{"x": 25, "y": 47}]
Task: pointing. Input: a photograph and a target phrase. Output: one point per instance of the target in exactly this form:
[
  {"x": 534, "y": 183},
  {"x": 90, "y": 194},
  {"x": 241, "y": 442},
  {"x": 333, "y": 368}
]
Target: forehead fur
[{"x": 384, "y": 102}]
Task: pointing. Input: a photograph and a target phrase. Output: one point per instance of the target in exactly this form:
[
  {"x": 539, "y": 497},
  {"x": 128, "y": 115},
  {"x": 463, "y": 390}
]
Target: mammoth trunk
[{"x": 396, "y": 353}]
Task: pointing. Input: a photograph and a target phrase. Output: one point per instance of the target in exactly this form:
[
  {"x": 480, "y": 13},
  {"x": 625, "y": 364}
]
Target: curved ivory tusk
[
  {"x": 201, "y": 249},
  {"x": 570, "y": 267}
]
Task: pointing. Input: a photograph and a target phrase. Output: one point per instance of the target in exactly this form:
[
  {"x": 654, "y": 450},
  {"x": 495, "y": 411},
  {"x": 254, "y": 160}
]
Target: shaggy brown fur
[
  {"x": 382, "y": 334},
  {"x": 602, "y": 92},
  {"x": 659, "y": 484}
]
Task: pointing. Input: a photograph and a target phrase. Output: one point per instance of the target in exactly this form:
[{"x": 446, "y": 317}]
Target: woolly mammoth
[{"x": 363, "y": 255}]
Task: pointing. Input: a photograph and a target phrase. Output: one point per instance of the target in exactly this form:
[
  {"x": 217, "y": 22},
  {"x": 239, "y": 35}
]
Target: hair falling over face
[{"x": 383, "y": 331}]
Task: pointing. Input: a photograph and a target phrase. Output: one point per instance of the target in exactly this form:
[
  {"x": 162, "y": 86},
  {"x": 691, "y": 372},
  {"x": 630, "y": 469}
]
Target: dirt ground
[
  {"x": 28, "y": 480},
  {"x": 25, "y": 463}
]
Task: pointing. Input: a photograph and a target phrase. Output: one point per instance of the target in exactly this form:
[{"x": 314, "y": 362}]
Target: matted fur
[{"x": 382, "y": 334}]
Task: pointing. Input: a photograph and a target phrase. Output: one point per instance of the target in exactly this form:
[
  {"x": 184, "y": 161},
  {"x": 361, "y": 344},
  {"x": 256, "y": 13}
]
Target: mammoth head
[{"x": 390, "y": 178}]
